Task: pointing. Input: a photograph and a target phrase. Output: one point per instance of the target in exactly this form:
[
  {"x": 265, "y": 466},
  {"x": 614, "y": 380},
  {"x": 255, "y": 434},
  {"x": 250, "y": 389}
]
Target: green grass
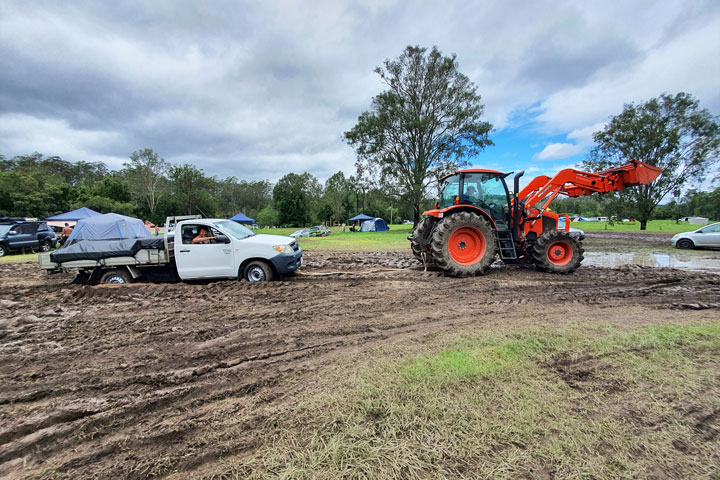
[
  {"x": 608, "y": 403},
  {"x": 394, "y": 239},
  {"x": 653, "y": 226},
  {"x": 17, "y": 257}
]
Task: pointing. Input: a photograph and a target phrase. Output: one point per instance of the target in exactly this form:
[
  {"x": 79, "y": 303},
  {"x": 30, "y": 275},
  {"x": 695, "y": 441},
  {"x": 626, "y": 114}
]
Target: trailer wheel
[
  {"x": 115, "y": 276},
  {"x": 464, "y": 244},
  {"x": 557, "y": 252},
  {"x": 420, "y": 240},
  {"x": 258, "y": 271}
]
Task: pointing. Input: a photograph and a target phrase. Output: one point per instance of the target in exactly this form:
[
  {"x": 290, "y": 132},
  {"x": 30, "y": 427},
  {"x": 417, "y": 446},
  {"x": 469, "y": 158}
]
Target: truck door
[{"x": 208, "y": 259}]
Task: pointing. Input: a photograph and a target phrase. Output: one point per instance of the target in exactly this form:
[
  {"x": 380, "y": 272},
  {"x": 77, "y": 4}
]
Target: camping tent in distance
[
  {"x": 74, "y": 215},
  {"x": 242, "y": 218},
  {"x": 374, "y": 225}
]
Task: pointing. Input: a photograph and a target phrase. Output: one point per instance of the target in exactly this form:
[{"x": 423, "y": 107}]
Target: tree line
[{"x": 152, "y": 188}]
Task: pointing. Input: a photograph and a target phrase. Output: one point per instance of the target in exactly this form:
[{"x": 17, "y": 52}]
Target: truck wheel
[
  {"x": 3, "y": 251},
  {"x": 464, "y": 244},
  {"x": 115, "y": 276},
  {"x": 557, "y": 252},
  {"x": 420, "y": 240},
  {"x": 258, "y": 271},
  {"x": 45, "y": 246}
]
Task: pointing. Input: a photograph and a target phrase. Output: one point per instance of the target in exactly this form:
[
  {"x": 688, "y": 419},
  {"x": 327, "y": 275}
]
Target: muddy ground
[{"x": 179, "y": 379}]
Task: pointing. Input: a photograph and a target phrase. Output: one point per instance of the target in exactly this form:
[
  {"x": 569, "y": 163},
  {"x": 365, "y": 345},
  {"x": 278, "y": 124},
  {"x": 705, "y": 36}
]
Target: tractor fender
[{"x": 444, "y": 212}]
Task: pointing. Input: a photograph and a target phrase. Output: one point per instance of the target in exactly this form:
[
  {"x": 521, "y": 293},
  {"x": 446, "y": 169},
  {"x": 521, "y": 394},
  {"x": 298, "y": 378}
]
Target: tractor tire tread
[
  {"x": 544, "y": 241},
  {"x": 440, "y": 240}
]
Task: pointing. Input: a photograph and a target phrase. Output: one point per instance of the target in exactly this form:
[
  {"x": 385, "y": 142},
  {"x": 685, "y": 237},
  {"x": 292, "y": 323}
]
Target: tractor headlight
[{"x": 283, "y": 248}]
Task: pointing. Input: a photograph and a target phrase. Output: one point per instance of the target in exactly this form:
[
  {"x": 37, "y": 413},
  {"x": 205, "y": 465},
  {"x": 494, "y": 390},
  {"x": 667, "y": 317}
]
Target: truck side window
[{"x": 188, "y": 233}]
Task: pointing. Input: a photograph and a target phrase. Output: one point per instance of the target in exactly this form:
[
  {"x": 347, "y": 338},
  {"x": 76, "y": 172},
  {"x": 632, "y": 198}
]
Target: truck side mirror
[
  {"x": 222, "y": 239},
  {"x": 12, "y": 232}
]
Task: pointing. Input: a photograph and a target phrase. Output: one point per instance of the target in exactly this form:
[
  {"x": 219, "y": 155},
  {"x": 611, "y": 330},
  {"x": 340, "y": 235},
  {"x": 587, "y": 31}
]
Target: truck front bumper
[{"x": 287, "y": 262}]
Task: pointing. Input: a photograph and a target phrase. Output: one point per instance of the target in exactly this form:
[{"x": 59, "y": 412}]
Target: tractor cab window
[
  {"x": 486, "y": 191},
  {"x": 449, "y": 191}
]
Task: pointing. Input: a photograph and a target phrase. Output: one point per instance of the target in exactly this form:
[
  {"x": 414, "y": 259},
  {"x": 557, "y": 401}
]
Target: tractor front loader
[{"x": 477, "y": 219}]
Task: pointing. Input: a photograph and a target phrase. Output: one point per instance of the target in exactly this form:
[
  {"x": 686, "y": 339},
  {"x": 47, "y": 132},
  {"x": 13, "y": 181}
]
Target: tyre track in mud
[{"x": 147, "y": 379}]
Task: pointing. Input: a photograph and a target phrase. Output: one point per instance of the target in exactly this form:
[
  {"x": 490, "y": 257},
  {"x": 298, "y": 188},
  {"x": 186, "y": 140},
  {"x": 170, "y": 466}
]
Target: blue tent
[
  {"x": 361, "y": 217},
  {"x": 242, "y": 218},
  {"x": 374, "y": 225},
  {"x": 110, "y": 226},
  {"x": 73, "y": 216}
]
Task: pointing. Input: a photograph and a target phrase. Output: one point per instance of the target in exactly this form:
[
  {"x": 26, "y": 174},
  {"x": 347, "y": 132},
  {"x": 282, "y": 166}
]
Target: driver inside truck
[
  {"x": 203, "y": 236},
  {"x": 471, "y": 195}
]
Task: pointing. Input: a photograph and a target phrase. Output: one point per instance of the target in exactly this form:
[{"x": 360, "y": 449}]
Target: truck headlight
[{"x": 283, "y": 248}]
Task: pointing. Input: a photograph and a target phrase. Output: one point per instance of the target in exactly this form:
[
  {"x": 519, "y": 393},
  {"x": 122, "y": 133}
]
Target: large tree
[
  {"x": 145, "y": 174},
  {"x": 671, "y": 132},
  {"x": 294, "y": 196},
  {"x": 427, "y": 123},
  {"x": 336, "y": 196}
]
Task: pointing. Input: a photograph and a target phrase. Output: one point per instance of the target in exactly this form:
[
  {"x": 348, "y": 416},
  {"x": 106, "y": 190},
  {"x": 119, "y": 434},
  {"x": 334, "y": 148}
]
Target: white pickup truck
[{"x": 233, "y": 251}]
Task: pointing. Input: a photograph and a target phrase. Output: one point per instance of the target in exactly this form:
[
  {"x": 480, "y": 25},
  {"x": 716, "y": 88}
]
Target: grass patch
[
  {"x": 653, "y": 226},
  {"x": 613, "y": 403},
  {"x": 18, "y": 258},
  {"x": 394, "y": 239}
]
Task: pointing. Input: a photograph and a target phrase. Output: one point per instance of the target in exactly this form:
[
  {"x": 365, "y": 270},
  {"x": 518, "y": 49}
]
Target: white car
[
  {"x": 707, "y": 236},
  {"x": 575, "y": 232}
]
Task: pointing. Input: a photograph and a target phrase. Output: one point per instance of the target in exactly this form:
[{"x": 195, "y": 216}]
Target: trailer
[{"x": 193, "y": 248}]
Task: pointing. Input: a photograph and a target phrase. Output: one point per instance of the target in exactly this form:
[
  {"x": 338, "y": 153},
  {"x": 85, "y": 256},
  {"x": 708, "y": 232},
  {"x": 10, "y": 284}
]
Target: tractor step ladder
[{"x": 507, "y": 245}]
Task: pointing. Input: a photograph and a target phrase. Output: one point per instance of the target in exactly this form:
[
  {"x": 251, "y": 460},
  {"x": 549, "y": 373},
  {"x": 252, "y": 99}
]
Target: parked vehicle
[
  {"x": 300, "y": 233},
  {"x": 316, "y": 231},
  {"x": 708, "y": 236},
  {"x": 319, "y": 231},
  {"x": 232, "y": 251},
  {"x": 575, "y": 232},
  {"x": 17, "y": 236}
]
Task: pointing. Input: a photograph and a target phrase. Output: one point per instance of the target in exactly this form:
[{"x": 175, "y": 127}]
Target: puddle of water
[{"x": 647, "y": 259}]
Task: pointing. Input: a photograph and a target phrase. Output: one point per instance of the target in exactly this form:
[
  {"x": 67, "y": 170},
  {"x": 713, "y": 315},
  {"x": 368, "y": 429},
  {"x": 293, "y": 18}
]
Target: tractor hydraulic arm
[{"x": 575, "y": 183}]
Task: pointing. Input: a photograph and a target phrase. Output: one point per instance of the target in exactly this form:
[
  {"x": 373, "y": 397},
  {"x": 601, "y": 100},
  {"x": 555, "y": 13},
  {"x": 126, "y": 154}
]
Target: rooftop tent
[
  {"x": 360, "y": 217},
  {"x": 374, "y": 225},
  {"x": 75, "y": 215},
  {"x": 110, "y": 226},
  {"x": 242, "y": 218}
]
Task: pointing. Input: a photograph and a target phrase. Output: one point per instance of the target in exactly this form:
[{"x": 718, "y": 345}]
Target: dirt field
[{"x": 179, "y": 379}]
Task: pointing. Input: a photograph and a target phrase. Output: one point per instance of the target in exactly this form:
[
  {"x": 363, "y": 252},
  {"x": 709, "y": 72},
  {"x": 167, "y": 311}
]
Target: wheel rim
[
  {"x": 256, "y": 274},
  {"x": 114, "y": 279},
  {"x": 560, "y": 253},
  {"x": 467, "y": 245},
  {"x": 45, "y": 247},
  {"x": 2, "y": 252}
]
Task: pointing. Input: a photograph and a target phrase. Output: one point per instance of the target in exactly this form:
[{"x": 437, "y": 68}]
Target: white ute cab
[{"x": 234, "y": 252}]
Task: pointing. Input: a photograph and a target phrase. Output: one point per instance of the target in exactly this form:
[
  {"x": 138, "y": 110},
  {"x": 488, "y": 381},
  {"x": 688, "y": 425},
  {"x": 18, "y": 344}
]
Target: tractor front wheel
[
  {"x": 557, "y": 252},
  {"x": 420, "y": 241},
  {"x": 464, "y": 244}
]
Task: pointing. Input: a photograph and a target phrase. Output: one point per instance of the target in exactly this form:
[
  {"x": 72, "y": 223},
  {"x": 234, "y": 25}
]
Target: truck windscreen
[{"x": 235, "y": 229}]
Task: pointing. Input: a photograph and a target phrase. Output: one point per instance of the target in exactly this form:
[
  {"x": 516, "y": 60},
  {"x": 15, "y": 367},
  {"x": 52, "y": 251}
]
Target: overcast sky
[{"x": 260, "y": 89}]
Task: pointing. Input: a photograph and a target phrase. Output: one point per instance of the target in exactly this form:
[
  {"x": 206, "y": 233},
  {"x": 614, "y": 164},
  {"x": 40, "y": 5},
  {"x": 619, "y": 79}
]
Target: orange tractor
[{"x": 476, "y": 218}]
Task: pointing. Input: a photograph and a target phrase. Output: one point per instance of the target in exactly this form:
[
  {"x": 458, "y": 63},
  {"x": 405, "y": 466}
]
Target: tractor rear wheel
[
  {"x": 420, "y": 240},
  {"x": 464, "y": 244},
  {"x": 557, "y": 252}
]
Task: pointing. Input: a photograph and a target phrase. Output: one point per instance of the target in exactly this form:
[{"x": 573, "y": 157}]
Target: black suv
[{"x": 26, "y": 236}]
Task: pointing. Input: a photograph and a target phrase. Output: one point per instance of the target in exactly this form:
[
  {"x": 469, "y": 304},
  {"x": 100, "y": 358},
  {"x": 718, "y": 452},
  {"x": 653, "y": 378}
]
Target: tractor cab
[{"x": 482, "y": 189}]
